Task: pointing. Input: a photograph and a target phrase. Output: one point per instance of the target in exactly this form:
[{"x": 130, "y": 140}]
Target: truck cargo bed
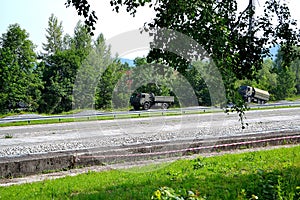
[
  {"x": 261, "y": 94},
  {"x": 164, "y": 99}
]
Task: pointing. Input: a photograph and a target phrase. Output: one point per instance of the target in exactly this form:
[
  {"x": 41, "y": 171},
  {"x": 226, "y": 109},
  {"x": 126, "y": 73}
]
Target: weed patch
[{"x": 8, "y": 136}]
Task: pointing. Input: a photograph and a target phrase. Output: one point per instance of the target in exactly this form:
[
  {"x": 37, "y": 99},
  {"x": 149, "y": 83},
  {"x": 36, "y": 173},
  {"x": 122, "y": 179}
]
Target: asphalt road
[
  {"x": 93, "y": 113},
  {"x": 112, "y": 133}
]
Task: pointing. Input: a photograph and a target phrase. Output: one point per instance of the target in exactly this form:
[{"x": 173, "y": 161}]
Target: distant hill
[
  {"x": 128, "y": 61},
  {"x": 273, "y": 51}
]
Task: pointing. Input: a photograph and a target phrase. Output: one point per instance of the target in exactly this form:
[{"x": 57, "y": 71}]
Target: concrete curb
[{"x": 54, "y": 161}]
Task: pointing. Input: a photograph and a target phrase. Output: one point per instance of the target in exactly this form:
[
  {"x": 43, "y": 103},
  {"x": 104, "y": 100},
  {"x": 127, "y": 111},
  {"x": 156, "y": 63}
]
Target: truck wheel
[
  {"x": 249, "y": 100},
  {"x": 146, "y": 106},
  {"x": 165, "y": 106}
]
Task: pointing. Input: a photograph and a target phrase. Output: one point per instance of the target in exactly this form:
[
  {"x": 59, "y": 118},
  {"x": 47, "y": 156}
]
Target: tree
[
  {"x": 266, "y": 78},
  {"x": 20, "y": 85},
  {"x": 60, "y": 69},
  {"x": 16, "y": 40},
  {"x": 91, "y": 85},
  {"x": 196, "y": 80},
  {"x": 83, "y": 8},
  {"x": 82, "y": 41},
  {"x": 54, "y": 36},
  {"x": 296, "y": 69},
  {"x": 59, "y": 76},
  {"x": 151, "y": 78},
  {"x": 107, "y": 83},
  {"x": 286, "y": 77},
  {"x": 286, "y": 86}
]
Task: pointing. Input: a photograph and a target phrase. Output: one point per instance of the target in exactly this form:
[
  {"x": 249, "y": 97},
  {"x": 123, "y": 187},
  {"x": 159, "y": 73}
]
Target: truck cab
[
  {"x": 246, "y": 92},
  {"x": 141, "y": 100}
]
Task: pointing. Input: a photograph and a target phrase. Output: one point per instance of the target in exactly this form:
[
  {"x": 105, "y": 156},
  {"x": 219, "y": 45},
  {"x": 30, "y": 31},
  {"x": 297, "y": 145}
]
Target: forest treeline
[{"x": 44, "y": 81}]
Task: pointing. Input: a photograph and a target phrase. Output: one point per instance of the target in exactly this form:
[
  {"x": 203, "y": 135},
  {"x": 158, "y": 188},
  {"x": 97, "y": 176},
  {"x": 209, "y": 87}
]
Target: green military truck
[{"x": 147, "y": 100}]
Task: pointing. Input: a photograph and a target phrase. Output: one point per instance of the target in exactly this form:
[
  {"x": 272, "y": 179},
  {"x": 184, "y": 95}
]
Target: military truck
[
  {"x": 147, "y": 100},
  {"x": 252, "y": 94}
]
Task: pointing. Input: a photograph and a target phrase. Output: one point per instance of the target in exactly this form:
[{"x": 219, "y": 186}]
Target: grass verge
[
  {"x": 106, "y": 117},
  {"x": 272, "y": 174},
  {"x": 294, "y": 98}
]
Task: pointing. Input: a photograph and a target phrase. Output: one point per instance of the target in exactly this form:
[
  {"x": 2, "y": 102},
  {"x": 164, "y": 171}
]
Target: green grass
[
  {"x": 52, "y": 121},
  {"x": 93, "y": 118},
  {"x": 295, "y": 98},
  {"x": 274, "y": 107},
  {"x": 272, "y": 174}
]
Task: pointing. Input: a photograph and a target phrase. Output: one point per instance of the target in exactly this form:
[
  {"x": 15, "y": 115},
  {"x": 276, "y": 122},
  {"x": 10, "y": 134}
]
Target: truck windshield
[{"x": 242, "y": 89}]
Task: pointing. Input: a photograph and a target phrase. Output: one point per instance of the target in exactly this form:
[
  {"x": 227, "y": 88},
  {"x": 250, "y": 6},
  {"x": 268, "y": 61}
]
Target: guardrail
[{"x": 152, "y": 112}]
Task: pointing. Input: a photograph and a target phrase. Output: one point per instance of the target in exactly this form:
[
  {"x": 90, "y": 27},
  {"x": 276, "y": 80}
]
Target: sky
[{"x": 33, "y": 15}]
